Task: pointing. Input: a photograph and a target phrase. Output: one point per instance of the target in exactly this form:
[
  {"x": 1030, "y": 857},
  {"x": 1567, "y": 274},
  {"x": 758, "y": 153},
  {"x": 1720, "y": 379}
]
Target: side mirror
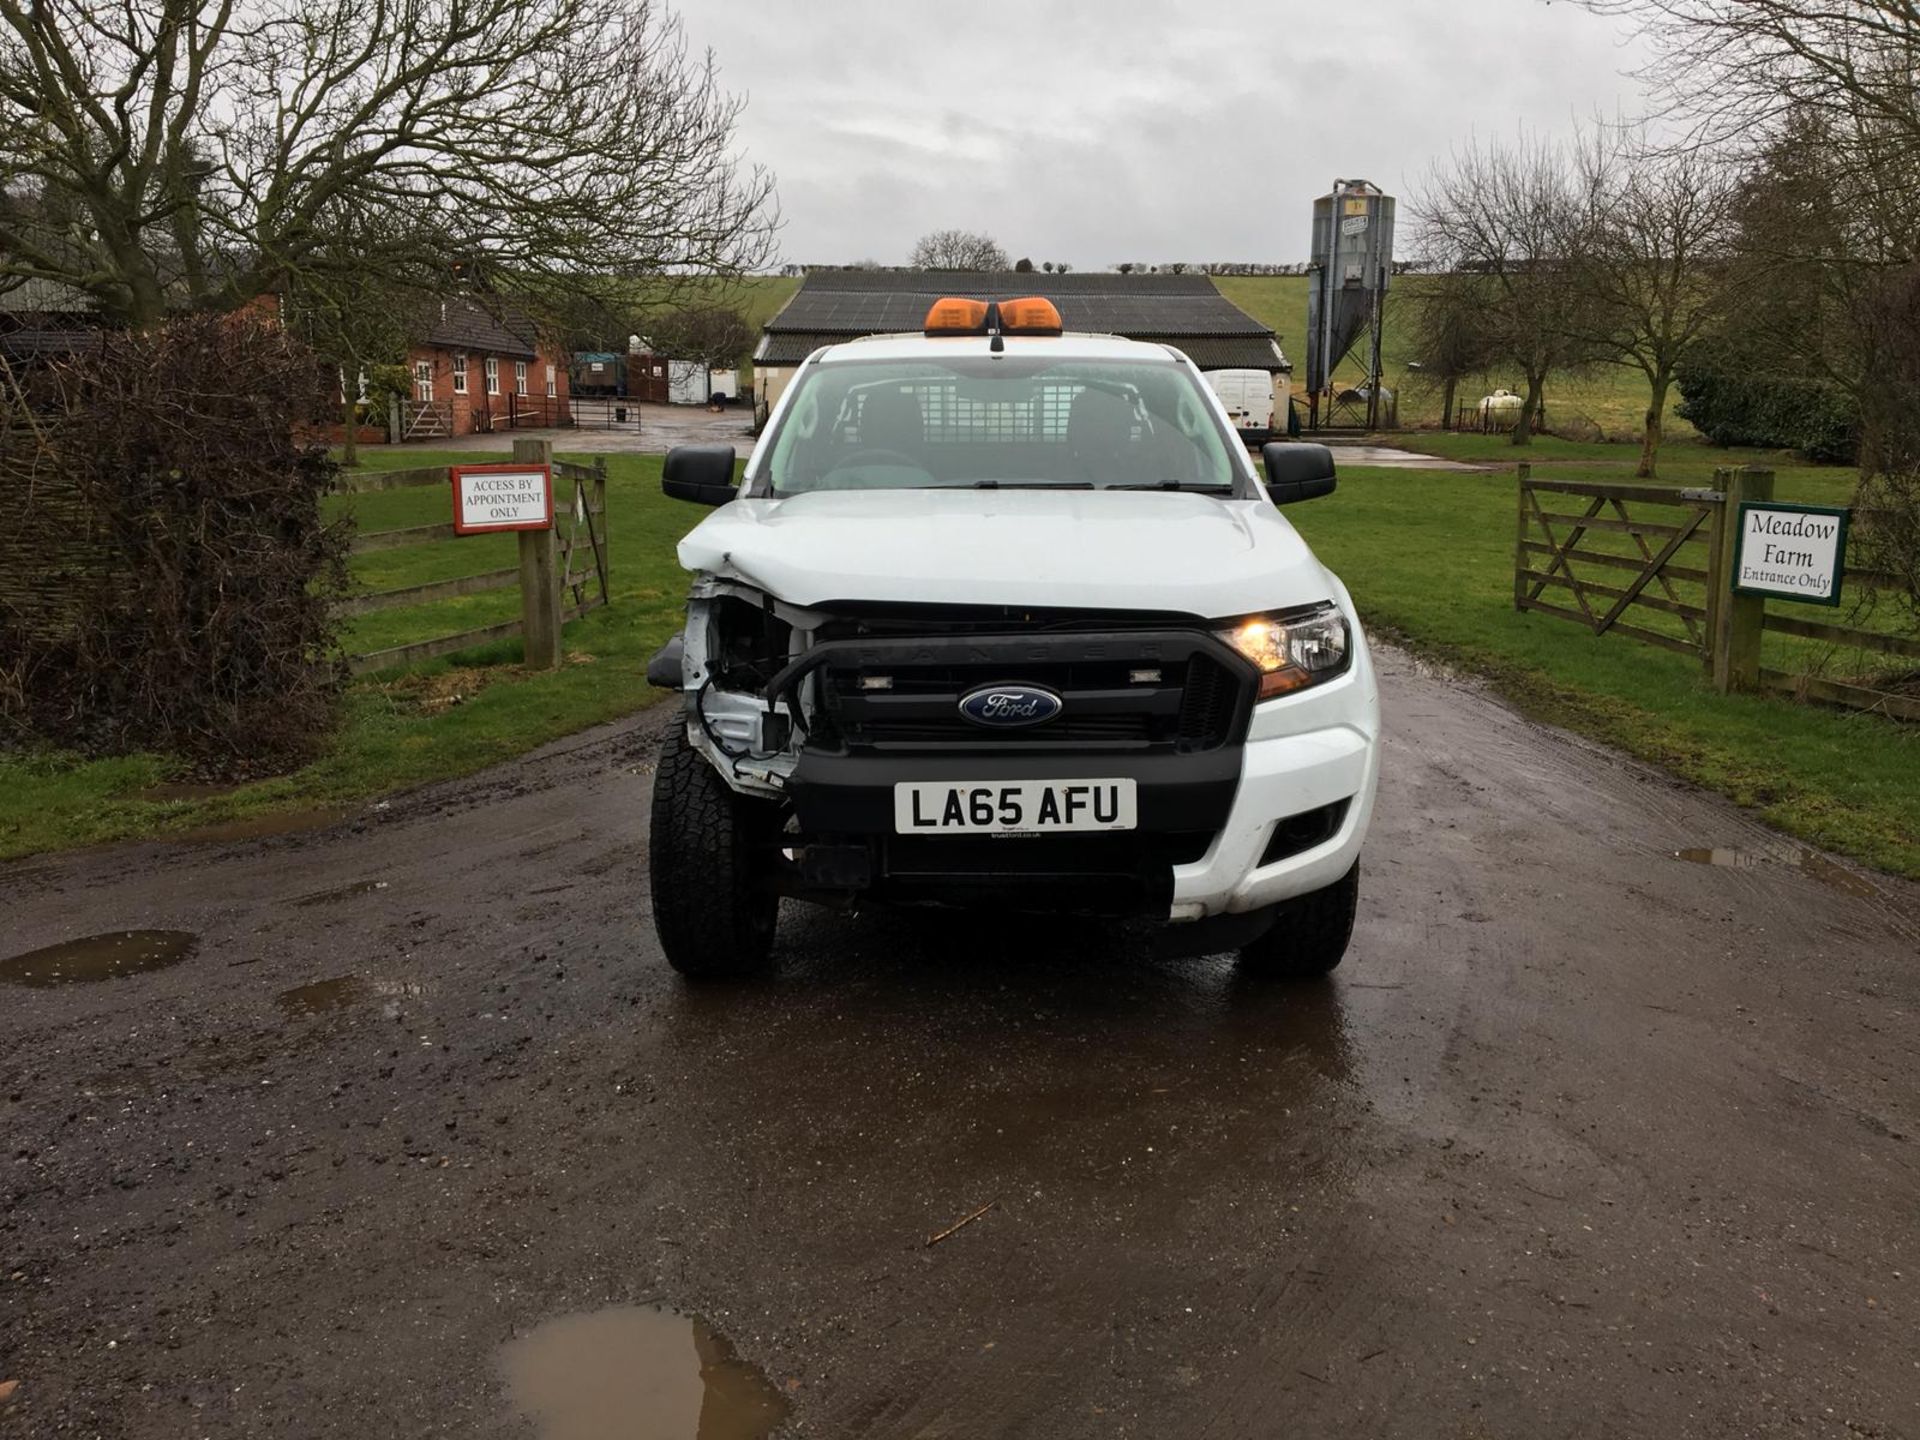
[
  {"x": 1297, "y": 471},
  {"x": 700, "y": 473}
]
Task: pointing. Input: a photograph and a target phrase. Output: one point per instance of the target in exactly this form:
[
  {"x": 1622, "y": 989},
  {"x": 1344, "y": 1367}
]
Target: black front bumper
[
  {"x": 845, "y": 805},
  {"x": 853, "y": 794}
]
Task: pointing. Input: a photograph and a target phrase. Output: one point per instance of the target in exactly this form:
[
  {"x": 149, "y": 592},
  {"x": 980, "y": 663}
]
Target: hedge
[
  {"x": 170, "y": 580},
  {"x": 1731, "y": 405}
]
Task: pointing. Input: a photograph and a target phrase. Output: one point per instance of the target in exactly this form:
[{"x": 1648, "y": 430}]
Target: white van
[{"x": 1248, "y": 396}]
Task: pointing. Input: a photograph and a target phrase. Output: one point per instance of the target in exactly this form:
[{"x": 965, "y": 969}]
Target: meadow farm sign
[{"x": 1794, "y": 552}]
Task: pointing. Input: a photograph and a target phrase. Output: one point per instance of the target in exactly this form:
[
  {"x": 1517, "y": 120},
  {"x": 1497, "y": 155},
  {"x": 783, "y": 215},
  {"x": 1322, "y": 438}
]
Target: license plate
[{"x": 1012, "y": 807}]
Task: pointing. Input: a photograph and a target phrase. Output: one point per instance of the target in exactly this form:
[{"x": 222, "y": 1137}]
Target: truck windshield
[{"x": 998, "y": 422}]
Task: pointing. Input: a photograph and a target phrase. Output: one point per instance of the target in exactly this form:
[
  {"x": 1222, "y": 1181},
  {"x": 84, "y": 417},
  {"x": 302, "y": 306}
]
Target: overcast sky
[{"x": 1095, "y": 131}]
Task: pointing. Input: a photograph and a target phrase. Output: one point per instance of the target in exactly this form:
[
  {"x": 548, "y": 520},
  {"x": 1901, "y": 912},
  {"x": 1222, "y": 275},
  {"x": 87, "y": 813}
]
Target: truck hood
[{"x": 1103, "y": 550}]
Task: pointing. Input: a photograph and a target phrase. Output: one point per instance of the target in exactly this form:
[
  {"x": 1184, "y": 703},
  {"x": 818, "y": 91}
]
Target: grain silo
[{"x": 1347, "y": 279}]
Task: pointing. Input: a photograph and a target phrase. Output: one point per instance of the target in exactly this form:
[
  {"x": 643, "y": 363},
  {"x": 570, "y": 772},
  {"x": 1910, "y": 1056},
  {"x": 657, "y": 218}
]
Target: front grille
[
  {"x": 1208, "y": 703},
  {"x": 1148, "y": 692}
]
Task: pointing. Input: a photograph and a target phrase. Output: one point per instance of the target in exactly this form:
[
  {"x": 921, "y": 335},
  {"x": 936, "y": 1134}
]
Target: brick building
[{"x": 476, "y": 371}]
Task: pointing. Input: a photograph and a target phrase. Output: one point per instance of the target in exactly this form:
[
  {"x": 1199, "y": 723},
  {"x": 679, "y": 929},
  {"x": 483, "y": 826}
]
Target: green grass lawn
[
  {"x": 402, "y": 730},
  {"x": 1429, "y": 559}
]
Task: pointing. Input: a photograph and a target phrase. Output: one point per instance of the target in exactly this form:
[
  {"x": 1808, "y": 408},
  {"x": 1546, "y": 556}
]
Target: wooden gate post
[
  {"x": 539, "y": 579},
  {"x": 1738, "y": 619},
  {"x": 1523, "y": 472}
]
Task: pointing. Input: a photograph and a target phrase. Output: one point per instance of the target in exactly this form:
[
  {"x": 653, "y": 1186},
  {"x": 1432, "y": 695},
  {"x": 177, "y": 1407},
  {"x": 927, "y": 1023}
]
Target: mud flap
[{"x": 664, "y": 669}]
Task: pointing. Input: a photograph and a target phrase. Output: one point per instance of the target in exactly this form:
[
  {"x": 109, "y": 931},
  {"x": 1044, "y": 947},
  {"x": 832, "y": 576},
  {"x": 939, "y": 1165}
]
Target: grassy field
[
  {"x": 1429, "y": 559},
  {"x": 445, "y": 718},
  {"x": 1428, "y": 556},
  {"x": 1610, "y": 397}
]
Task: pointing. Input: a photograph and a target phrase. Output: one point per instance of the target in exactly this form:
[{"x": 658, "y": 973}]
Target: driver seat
[
  {"x": 890, "y": 419},
  {"x": 1100, "y": 443}
]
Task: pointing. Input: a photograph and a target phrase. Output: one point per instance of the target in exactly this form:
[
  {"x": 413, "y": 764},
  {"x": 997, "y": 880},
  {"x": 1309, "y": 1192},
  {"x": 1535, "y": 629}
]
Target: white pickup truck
[{"x": 1001, "y": 616}]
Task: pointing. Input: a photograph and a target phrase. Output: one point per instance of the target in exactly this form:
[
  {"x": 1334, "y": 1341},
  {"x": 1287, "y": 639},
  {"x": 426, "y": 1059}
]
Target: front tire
[
  {"x": 714, "y": 904},
  {"x": 1309, "y": 935}
]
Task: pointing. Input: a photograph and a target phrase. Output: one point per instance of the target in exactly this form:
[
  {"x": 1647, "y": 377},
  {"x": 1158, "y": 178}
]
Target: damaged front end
[
  {"x": 736, "y": 664},
  {"x": 832, "y": 712}
]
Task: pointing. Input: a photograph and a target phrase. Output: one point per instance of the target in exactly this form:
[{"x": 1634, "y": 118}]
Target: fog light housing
[{"x": 1293, "y": 651}]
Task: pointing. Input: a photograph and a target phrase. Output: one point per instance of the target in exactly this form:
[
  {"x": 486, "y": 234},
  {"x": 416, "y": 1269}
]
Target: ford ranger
[{"x": 1003, "y": 616}]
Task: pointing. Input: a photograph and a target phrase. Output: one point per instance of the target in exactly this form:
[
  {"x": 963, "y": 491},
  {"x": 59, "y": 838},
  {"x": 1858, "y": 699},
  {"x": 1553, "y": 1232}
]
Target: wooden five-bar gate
[
  {"x": 1657, "y": 564},
  {"x": 562, "y": 572}
]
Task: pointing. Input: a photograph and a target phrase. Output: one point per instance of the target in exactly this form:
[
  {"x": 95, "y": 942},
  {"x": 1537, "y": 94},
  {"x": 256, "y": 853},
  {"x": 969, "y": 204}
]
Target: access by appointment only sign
[
  {"x": 501, "y": 497},
  {"x": 1795, "y": 552}
]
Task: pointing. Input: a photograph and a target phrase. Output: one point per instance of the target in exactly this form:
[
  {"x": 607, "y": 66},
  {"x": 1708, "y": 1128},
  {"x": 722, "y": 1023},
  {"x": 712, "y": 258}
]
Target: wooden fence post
[
  {"x": 1739, "y": 619},
  {"x": 539, "y": 580},
  {"x": 1524, "y": 473},
  {"x": 600, "y": 540}
]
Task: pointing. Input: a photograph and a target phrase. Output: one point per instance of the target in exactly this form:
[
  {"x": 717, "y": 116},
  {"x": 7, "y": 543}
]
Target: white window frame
[
  {"x": 423, "y": 381},
  {"x": 519, "y": 377},
  {"x": 459, "y": 372},
  {"x": 493, "y": 374},
  {"x": 553, "y": 384}
]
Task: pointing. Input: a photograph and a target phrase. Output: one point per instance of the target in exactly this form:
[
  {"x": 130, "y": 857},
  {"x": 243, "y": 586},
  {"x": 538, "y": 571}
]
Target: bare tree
[
  {"x": 169, "y": 152},
  {"x": 718, "y": 336},
  {"x": 1647, "y": 248},
  {"x": 958, "y": 250},
  {"x": 1502, "y": 214},
  {"x": 1450, "y": 334},
  {"x": 1735, "y": 66},
  {"x": 358, "y": 317}
]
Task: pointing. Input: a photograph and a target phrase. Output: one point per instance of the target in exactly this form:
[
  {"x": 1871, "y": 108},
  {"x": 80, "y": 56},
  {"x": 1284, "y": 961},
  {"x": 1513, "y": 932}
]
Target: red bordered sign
[{"x": 487, "y": 498}]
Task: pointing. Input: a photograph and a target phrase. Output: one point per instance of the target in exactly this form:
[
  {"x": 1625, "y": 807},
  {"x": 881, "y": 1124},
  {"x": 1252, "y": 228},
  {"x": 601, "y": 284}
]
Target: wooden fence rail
[
  {"x": 1722, "y": 629},
  {"x": 546, "y": 573}
]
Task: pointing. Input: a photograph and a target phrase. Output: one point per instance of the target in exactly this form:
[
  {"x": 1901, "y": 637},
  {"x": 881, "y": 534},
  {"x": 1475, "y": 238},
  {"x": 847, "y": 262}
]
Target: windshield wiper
[
  {"x": 1176, "y": 485},
  {"x": 1017, "y": 485}
]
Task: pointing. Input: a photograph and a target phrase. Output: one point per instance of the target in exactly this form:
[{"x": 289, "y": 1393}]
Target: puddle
[
  {"x": 173, "y": 791},
  {"x": 1808, "y": 862},
  {"x": 323, "y": 996},
  {"x": 635, "y": 1372},
  {"x": 255, "y": 827},
  {"x": 345, "y": 892},
  {"x": 98, "y": 957}
]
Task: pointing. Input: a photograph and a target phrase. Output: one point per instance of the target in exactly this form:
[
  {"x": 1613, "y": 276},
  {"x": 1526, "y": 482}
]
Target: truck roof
[{"x": 1071, "y": 346}]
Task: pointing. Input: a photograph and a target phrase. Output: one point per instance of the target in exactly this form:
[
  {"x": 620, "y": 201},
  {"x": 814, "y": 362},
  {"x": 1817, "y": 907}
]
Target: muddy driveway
[{"x": 1584, "y": 1139}]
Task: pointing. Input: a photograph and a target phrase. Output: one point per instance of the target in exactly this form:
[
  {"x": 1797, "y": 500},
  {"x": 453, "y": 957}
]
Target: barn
[
  {"x": 1184, "y": 311},
  {"x": 43, "y": 320}
]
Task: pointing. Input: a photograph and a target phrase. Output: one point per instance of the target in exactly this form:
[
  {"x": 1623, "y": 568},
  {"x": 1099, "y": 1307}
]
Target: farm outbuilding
[{"x": 1184, "y": 311}]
